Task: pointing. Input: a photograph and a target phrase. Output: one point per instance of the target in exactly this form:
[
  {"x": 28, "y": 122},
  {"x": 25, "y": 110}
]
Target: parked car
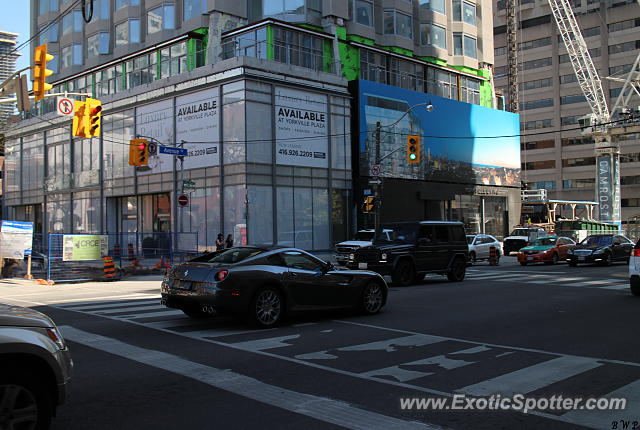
[
  {"x": 548, "y": 250},
  {"x": 35, "y": 368},
  {"x": 520, "y": 237},
  {"x": 480, "y": 246},
  {"x": 634, "y": 270},
  {"x": 363, "y": 238},
  {"x": 416, "y": 249},
  {"x": 601, "y": 249},
  {"x": 267, "y": 283}
]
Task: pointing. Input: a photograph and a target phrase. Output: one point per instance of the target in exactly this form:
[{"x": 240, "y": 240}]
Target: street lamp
[{"x": 378, "y": 187}]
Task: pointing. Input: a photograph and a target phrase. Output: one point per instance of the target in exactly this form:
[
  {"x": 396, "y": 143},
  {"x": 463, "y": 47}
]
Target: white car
[
  {"x": 480, "y": 244},
  {"x": 363, "y": 238},
  {"x": 519, "y": 238},
  {"x": 634, "y": 270}
]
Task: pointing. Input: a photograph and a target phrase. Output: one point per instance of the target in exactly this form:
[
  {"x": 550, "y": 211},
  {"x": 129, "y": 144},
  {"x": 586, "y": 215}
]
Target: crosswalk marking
[
  {"x": 602, "y": 419},
  {"x": 321, "y": 408},
  {"x": 618, "y": 284},
  {"x": 152, "y": 314},
  {"x": 414, "y": 375},
  {"x": 264, "y": 344},
  {"x": 97, "y": 305},
  {"x": 113, "y": 311},
  {"x": 617, "y": 287},
  {"x": 533, "y": 377}
]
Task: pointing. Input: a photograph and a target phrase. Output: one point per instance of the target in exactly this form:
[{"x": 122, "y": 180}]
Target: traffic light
[
  {"x": 93, "y": 111},
  {"x": 369, "y": 204},
  {"x": 138, "y": 152},
  {"x": 413, "y": 149},
  {"x": 80, "y": 119},
  {"x": 40, "y": 71}
]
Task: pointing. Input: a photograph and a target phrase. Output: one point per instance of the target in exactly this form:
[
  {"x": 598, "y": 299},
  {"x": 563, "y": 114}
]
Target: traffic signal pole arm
[{"x": 32, "y": 97}]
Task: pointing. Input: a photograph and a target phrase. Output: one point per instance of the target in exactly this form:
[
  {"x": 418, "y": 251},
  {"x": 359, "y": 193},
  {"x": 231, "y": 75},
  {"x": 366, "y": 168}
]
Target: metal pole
[{"x": 376, "y": 212}]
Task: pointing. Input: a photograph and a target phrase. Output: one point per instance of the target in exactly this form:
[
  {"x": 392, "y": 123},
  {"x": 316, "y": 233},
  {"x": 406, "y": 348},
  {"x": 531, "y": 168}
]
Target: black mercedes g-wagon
[{"x": 415, "y": 249}]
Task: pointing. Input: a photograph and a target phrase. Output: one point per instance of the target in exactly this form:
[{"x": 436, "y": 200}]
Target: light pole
[{"x": 378, "y": 186}]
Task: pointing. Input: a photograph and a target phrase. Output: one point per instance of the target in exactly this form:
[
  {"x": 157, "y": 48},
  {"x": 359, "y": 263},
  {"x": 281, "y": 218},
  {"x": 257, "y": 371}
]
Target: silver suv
[{"x": 35, "y": 368}]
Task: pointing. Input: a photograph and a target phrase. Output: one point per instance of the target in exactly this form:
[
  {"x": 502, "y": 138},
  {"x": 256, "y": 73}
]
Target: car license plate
[
  {"x": 581, "y": 258},
  {"x": 362, "y": 265},
  {"x": 529, "y": 258},
  {"x": 182, "y": 285}
]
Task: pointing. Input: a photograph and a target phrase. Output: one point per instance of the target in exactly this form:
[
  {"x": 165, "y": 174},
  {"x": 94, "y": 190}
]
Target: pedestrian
[
  {"x": 220, "y": 242},
  {"x": 229, "y": 241}
]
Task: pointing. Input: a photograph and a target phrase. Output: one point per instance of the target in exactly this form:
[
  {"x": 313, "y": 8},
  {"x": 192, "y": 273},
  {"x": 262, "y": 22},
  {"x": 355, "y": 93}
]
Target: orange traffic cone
[
  {"x": 493, "y": 256},
  {"x": 162, "y": 264},
  {"x": 109, "y": 268}
]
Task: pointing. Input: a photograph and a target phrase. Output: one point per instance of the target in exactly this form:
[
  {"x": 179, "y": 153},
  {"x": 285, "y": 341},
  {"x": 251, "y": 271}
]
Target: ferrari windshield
[
  {"x": 228, "y": 256},
  {"x": 597, "y": 240},
  {"x": 544, "y": 241}
]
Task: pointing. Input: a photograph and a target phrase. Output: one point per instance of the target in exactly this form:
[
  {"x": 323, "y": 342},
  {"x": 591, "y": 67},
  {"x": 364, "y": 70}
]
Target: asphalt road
[{"x": 536, "y": 330}]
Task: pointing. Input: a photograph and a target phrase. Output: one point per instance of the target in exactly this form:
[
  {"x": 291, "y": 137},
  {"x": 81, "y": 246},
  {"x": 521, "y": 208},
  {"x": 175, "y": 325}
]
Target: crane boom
[{"x": 581, "y": 61}]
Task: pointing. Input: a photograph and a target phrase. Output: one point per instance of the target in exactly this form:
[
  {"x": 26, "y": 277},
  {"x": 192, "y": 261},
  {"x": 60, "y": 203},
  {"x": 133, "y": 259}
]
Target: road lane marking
[
  {"x": 602, "y": 419},
  {"x": 114, "y": 311},
  {"x": 106, "y": 299},
  {"x": 151, "y": 314},
  {"x": 268, "y": 343},
  {"x": 480, "y": 347},
  {"x": 96, "y": 307},
  {"x": 492, "y": 345},
  {"x": 320, "y": 408},
  {"x": 403, "y": 375},
  {"x": 532, "y": 378}
]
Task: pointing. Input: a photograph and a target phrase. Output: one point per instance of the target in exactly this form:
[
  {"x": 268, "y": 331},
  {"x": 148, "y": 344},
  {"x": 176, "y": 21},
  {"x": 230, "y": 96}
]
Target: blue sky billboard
[{"x": 460, "y": 142}]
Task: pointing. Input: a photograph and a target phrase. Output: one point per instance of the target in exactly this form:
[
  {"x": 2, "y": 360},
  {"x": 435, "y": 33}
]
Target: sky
[{"x": 15, "y": 18}]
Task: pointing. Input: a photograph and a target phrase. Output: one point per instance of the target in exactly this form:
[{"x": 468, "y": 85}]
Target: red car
[{"x": 548, "y": 250}]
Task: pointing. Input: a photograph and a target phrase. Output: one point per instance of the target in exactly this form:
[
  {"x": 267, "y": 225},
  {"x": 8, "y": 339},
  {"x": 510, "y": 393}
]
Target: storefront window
[
  {"x": 321, "y": 238},
  {"x": 284, "y": 216},
  {"x": 260, "y": 207},
  {"x": 86, "y": 216},
  {"x": 235, "y": 213},
  {"x": 59, "y": 213}
]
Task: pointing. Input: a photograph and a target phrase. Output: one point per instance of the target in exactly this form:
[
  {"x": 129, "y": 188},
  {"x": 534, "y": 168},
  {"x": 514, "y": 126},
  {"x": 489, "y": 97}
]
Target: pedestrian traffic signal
[
  {"x": 79, "y": 128},
  {"x": 40, "y": 71},
  {"x": 413, "y": 149},
  {"x": 93, "y": 111},
  {"x": 138, "y": 152},
  {"x": 369, "y": 204}
]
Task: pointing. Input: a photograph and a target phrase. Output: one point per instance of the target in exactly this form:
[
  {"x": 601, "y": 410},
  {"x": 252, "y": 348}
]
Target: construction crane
[{"x": 604, "y": 126}]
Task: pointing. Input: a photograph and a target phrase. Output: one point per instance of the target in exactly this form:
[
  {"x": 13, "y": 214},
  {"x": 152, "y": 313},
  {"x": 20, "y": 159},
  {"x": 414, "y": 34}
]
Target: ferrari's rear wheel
[
  {"x": 372, "y": 299},
  {"x": 267, "y": 307}
]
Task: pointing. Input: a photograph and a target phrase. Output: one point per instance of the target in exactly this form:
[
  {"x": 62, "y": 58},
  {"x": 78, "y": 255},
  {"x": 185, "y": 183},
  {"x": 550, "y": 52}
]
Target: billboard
[
  {"x": 460, "y": 142},
  {"x": 197, "y": 120},
  {"x": 302, "y": 137}
]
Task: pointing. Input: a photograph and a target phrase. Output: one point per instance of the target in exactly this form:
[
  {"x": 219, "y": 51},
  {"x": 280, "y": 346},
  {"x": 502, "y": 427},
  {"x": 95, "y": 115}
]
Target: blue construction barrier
[{"x": 132, "y": 253}]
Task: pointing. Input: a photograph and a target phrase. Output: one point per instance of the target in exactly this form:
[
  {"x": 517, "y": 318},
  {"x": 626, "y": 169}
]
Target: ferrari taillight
[{"x": 221, "y": 275}]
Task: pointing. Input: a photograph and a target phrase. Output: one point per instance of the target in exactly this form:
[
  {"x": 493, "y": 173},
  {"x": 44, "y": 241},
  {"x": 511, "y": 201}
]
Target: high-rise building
[
  {"x": 556, "y": 156},
  {"x": 276, "y": 102},
  {"x": 8, "y": 59}
]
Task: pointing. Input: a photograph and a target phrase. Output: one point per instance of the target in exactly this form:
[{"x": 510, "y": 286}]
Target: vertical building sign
[
  {"x": 155, "y": 121},
  {"x": 302, "y": 137},
  {"x": 608, "y": 190},
  {"x": 197, "y": 121}
]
